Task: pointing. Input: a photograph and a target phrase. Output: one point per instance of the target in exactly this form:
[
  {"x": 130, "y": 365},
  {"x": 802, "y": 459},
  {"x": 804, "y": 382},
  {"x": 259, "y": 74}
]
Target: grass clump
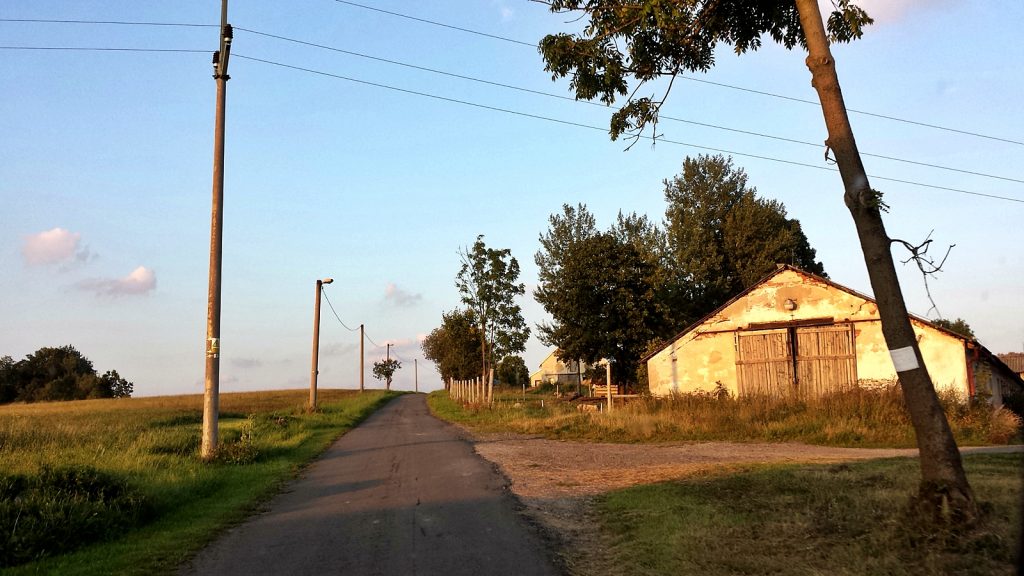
[
  {"x": 126, "y": 477},
  {"x": 60, "y": 509},
  {"x": 856, "y": 418},
  {"x": 842, "y": 519}
]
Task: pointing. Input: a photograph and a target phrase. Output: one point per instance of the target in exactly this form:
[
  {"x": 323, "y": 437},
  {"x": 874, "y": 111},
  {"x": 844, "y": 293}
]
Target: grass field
[
  {"x": 808, "y": 520},
  {"x": 862, "y": 418},
  {"x": 146, "y": 451}
]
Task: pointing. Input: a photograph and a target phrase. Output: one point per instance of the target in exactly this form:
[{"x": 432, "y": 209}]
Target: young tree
[
  {"x": 648, "y": 39},
  {"x": 385, "y": 369},
  {"x": 487, "y": 283},
  {"x": 454, "y": 347},
  {"x": 723, "y": 237}
]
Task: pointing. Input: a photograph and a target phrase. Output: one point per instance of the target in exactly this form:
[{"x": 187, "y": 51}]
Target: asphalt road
[{"x": 400, "y": 494}]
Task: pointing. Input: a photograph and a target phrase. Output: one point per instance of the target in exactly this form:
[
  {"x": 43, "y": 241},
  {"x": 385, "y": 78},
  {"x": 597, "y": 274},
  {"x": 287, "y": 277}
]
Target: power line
[
  {"x": 589, "y": 102},
  {"x": 723, "y": 85},
  {"x": 324, "y": 292},
  {"x": 114, "y": 22},
  {"x": 436, "y": 23},
  {"x": 95, "y": 49},
  {"x": 598, "y": 128},
  {"x": 513, "y": 40}
]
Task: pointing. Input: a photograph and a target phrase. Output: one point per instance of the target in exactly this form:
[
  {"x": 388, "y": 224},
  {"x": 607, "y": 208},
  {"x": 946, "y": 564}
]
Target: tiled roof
[{"x": 1015, "y": 360}]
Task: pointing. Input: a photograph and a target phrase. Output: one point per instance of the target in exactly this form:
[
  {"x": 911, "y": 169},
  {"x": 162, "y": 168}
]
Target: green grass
[
  {"x": 862, "y": 418},
  {"x": 152, "y": 444},
  {"x": 809, "y": 520}
]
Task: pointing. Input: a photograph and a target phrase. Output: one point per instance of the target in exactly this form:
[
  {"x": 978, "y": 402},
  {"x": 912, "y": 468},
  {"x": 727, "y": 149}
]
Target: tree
[
  {"x": 723, "y": 237},
  {"x": 385, "y": 369},
  {"x": 512, "y": 371},
  {"x": 454, "y": 347},
  {"x": 648, "y": 39},
  {"x": 960, "y": 326},
  {"x": 487, "y": 283},
  {"x": 602, "y": 304},
  {"x": 8, "y": 380},
  {"x": 117, "y": 387}
]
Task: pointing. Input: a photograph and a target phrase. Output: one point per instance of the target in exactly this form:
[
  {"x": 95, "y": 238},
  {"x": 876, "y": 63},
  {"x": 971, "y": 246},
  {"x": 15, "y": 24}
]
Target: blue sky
[{"x": 106, "y": 172}]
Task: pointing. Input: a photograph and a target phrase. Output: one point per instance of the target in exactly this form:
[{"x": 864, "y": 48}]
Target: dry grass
[{"x": 862, "y": 417}]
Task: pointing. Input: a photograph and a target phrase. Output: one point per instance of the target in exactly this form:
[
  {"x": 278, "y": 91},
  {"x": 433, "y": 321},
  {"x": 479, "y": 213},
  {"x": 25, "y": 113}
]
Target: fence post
[{"x": 490, "y": 387}]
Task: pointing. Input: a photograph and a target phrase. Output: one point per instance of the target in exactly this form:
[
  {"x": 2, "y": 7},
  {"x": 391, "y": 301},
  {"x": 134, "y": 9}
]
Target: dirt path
[
  {"x": 558, "y": 480},
  {"x": 402, "y": 493}
]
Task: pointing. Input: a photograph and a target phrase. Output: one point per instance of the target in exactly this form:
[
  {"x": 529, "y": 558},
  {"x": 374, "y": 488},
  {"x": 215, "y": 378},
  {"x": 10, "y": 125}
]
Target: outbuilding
[{"x": 798, "y": 334}]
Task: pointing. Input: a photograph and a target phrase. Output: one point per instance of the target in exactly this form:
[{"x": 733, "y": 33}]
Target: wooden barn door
[
  {"x": 826, "y": 360},
  {"x": 764, "y": 363}
]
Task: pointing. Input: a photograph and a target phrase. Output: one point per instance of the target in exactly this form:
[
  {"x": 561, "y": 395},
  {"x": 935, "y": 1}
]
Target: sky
[{"x": 106, "y": 171}]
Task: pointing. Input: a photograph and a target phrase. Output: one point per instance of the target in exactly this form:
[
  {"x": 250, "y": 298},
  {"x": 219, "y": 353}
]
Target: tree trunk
[{"x": 944, "y": 488}]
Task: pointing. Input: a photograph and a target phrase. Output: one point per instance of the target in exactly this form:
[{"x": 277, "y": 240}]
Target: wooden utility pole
[
  {"x": 362, "y": 370},
  {"x": 388, "y": 345},
  {"x": 315, "y": 369},
  {"x": 211, "y": 396}
]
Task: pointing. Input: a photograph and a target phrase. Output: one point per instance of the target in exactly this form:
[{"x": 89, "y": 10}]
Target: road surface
[{"x": 401, "y": 494}]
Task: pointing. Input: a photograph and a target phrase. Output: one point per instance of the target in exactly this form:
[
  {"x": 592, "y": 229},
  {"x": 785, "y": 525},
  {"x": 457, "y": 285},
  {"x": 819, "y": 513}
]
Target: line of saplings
[{"x": 58, "y": 374}]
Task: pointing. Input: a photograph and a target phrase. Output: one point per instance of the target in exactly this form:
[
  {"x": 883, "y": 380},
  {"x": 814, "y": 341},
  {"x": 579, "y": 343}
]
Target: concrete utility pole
[
  {"x": 316, "y": 343},
  {"x": 416, "y": 373},
  {"x": 211, "y": 396},
  {"x": 362, "y": 371},
  {"x": 388, "y": 344}
]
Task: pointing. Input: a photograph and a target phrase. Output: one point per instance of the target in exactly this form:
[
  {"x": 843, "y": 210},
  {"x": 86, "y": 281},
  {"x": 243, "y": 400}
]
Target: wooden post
[
  {"x": 490, "y": 386},
  {"x": 608, "y": 382}
]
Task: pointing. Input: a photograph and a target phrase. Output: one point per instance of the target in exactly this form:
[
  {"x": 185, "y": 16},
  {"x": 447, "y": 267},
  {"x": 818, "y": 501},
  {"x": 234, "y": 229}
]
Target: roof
[
  {"x": 789, "y": 267},
  {"x": 1013, "y": 360}
]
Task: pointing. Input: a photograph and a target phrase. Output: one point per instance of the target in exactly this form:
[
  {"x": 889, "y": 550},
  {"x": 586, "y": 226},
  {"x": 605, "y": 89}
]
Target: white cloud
[
  {"x": 338, "y": 349},
  {"x": 142, "y": 280},
  {"x": 507, "y": 13},
  {"x": 244, "y": 363},
  {"x": 57, "y": 246},
  {"x": 399, "y": 297}
]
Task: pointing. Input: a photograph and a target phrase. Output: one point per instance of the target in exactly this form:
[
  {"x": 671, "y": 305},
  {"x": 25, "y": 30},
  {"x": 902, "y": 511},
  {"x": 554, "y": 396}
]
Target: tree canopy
[
  {"x": 512, "y": 371},
  {"x": 454, "y": 346},
  {"x": 385, "y": 370},
  {"x": 959, "y": 326},
  {"x": 645, "y": 40},
  {"x": 61, "y": 373},
  {"x": 723, "y": 237}
]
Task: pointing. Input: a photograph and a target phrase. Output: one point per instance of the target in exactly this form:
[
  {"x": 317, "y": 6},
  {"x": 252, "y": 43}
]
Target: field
[
  {"x": 860, "y": 418},
  {"x": 804, "y": 520},
  {"x": 120, "y": 484}
]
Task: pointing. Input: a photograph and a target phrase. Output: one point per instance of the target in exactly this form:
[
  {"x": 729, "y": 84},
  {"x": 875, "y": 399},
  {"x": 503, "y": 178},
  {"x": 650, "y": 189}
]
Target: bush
[{"x": 60, "y": 509}]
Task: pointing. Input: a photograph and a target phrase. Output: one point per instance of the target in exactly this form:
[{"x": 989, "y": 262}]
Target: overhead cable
[{"x": 598, "y": 128}]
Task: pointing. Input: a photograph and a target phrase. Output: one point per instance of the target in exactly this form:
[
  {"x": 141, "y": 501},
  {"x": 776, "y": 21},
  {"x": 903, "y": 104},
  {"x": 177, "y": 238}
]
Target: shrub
[{"x": 60, "y": 509}]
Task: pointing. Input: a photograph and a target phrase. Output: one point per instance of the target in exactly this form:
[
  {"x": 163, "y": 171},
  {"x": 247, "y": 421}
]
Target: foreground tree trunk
[{"x": 944, "y": 489}]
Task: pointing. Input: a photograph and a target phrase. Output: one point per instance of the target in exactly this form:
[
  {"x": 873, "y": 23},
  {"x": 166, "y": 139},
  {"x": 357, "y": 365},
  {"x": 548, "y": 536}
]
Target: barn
[{"x": 798, "y": 334}]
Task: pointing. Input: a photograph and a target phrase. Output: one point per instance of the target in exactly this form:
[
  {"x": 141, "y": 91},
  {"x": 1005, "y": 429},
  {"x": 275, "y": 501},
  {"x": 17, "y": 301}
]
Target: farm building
[
  {"x": 555, "y": 371},
  {"x": 1015, "y": 361},
  {"x": 794, "y": 333}
]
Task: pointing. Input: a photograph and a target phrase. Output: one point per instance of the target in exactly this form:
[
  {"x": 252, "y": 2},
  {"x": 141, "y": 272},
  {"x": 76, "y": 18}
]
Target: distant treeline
[{"x": 57, "y": 374}]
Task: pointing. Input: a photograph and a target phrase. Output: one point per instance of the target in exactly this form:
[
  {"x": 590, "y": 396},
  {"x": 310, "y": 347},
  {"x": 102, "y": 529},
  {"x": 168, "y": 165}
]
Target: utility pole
[
  {"x": 362, "y": 338},
  {"x": 608, "y": 381},
  {"x": 416, "y": 373},
  {"x": 211, "y": 396},
  {"x": 316, "y": 343}
]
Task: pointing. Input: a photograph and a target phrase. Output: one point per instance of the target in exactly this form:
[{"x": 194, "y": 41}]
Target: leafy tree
[
  {"x": 650, "y": 39},
  {"x": 61, "y": 373},
  {"x": 385, "y": 370},
  {"x": 487, "y": 283},
  {"x": 512, "y": 371},
  {"x": 960, "y": 326},
  {"x": 454, "y": 347},
  {"x": 603, "y": 304},
  {"x": 111, "y": 382},
  {"x": 574, "y": 224},
  {"x": 723, "y": 237},
  {"x": 8, "y": 380}
]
